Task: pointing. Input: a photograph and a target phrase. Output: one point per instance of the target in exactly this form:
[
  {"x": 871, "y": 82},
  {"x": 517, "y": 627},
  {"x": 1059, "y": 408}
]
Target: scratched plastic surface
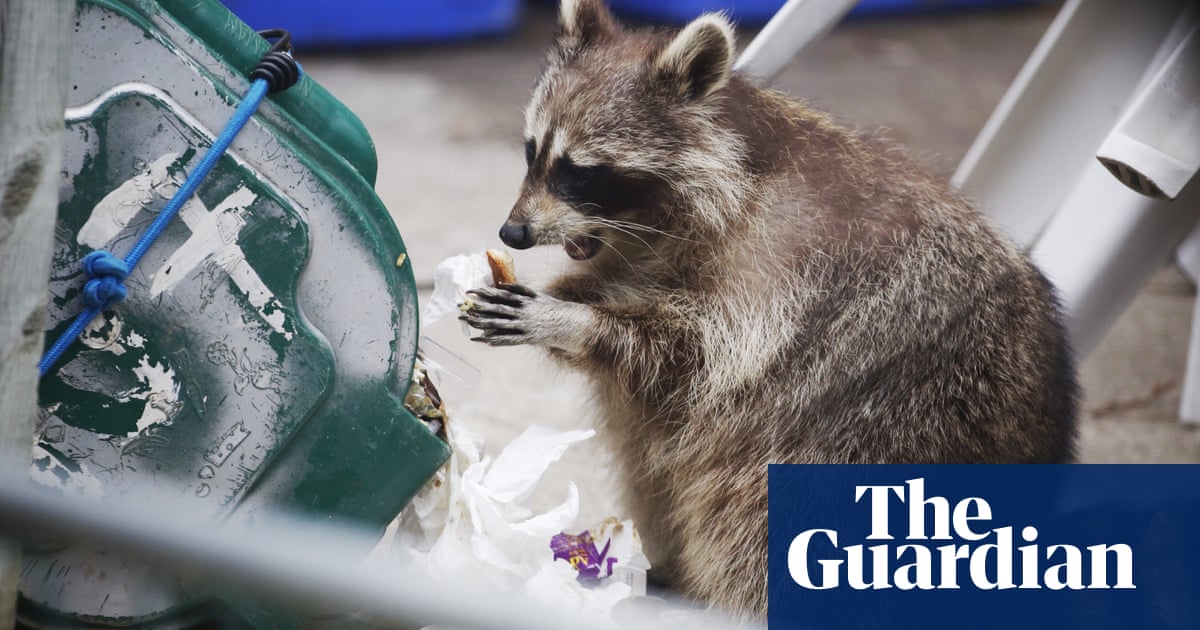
[{"x": 260, "y": 361}]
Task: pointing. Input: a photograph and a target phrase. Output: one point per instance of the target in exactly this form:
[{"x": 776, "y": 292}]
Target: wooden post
[{"x": 34, "y": 45}]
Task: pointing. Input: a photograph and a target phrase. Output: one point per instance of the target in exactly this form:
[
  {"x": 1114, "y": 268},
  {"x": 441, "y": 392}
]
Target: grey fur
[{"x": 756, "y": 285}]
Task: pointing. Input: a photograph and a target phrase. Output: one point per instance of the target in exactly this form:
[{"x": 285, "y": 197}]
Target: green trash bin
[{"x": 261, "y": 359}]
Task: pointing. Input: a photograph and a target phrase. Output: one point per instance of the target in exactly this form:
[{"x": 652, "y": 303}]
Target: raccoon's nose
[{"x": 516, "y": 235}]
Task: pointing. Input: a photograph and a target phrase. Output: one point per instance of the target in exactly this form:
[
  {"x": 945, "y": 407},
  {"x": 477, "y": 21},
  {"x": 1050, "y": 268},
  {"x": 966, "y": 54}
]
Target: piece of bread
[{"x": 502, "y": 267}]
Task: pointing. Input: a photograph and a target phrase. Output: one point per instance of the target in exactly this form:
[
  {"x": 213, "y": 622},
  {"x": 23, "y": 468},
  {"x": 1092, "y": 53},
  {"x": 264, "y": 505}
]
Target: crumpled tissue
[
  {"x": 472, "y": 518},
  {"x": 452, "y": 278}
]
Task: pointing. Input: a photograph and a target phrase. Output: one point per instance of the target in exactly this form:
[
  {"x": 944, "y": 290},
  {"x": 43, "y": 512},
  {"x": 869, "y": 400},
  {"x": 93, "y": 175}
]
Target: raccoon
[{"x": 752, "y": 283}]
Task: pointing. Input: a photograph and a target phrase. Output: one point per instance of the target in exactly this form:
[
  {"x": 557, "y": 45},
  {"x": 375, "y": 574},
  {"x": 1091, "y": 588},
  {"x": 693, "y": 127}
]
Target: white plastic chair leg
[
  {"x": 1155, "y": 148},
  {"x": 1189, "y": 403},
  {"x": 1043, "y": 136},
  {"x": 1104, "y": 244},
  {"x": 1187, "y": 256},
  {"x": 793, "y": 27}
]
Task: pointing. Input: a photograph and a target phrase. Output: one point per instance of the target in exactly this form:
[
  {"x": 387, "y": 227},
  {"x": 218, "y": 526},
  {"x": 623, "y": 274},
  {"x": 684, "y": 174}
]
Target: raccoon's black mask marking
[{"x": 602, "y": 189}]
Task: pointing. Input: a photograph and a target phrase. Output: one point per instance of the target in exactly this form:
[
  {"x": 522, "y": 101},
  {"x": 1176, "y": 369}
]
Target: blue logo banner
[{"x": 1073, "y": 546}]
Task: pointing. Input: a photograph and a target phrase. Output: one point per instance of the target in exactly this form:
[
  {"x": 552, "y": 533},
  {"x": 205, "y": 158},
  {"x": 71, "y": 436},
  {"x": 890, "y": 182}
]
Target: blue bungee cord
[{"x": 106, "y": 273}]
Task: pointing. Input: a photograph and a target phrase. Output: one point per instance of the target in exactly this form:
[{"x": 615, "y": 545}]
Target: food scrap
[
  {"x": 423, "y": 400},
  {"x": 502, "y": 267}
]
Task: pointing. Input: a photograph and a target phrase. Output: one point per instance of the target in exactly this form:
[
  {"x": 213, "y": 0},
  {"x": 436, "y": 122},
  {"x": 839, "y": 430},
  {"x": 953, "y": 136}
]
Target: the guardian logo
[{"x": 948, "y": 546}]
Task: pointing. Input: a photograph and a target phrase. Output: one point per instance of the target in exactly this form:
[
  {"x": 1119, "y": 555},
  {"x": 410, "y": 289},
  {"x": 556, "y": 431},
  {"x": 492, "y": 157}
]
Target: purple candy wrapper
[
  {"x": 581, "y": 552},
  {"x": 605, "y": 554}
]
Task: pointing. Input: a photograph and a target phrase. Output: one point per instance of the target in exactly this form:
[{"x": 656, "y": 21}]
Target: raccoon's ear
[
  {"x": 699, "y": 60},
  {"x": 582, "y": 23}
]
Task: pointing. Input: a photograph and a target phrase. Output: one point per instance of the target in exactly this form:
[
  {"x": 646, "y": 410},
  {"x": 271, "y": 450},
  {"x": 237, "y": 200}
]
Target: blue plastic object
[
  {"x": 759, "y": 11},
  {"x": 108, "y": 281},
  {"x": 360, "y": 22}
]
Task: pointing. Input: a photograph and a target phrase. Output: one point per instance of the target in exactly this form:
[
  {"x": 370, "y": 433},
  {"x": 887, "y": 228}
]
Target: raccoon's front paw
[{"x": 512, "y": 314}]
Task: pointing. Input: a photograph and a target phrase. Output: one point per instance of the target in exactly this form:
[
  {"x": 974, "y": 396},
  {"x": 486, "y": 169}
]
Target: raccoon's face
[{"x": 612, "y": 125}]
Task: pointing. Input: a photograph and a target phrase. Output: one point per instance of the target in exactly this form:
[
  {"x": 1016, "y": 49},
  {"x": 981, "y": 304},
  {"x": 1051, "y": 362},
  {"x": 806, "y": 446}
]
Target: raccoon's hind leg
[{"x": 723, "y": 540}]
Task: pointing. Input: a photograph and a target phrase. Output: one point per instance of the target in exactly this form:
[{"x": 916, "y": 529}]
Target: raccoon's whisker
[
  {"x": 608, "y": 244},
  {"x": 623, "y": 230},
  {"x": 591, "y": 263},
  {"x": 645, "y": 228},
  {"x": 621, "y": 227},
  {"x": 629, "y": 228},
  {"x": 603, "y": 223},
  {"x": 636, "y": 269}
]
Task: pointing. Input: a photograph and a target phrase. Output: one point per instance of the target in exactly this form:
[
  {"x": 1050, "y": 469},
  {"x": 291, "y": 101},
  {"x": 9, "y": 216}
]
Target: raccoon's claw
[
  {"x": 492, "y": 322},
  {"x": 497, "y": 333},
  {"x": 512, "y": 314},
  {"x": 498, "y": 302},
  {"x": 500, "y": 338},
  {"x": 497, "y": 312},
  {"x": 519, "y": 289}
]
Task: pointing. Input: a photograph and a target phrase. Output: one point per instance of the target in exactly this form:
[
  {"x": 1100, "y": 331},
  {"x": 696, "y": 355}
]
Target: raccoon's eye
[
  {"x": 579, "y": 184},
  {"x": 604, "y": 189},
  {"x": 530, "y": 152},
  {"x": 592, "y": 186}
]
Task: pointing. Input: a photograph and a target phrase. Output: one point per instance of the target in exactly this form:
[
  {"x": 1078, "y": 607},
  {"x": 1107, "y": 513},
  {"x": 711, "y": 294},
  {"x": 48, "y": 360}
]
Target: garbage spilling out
[{"x": 473, "y": 516}]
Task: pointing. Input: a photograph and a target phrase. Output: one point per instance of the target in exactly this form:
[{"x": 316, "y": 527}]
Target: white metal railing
[{"x": 294, "y": 562}]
